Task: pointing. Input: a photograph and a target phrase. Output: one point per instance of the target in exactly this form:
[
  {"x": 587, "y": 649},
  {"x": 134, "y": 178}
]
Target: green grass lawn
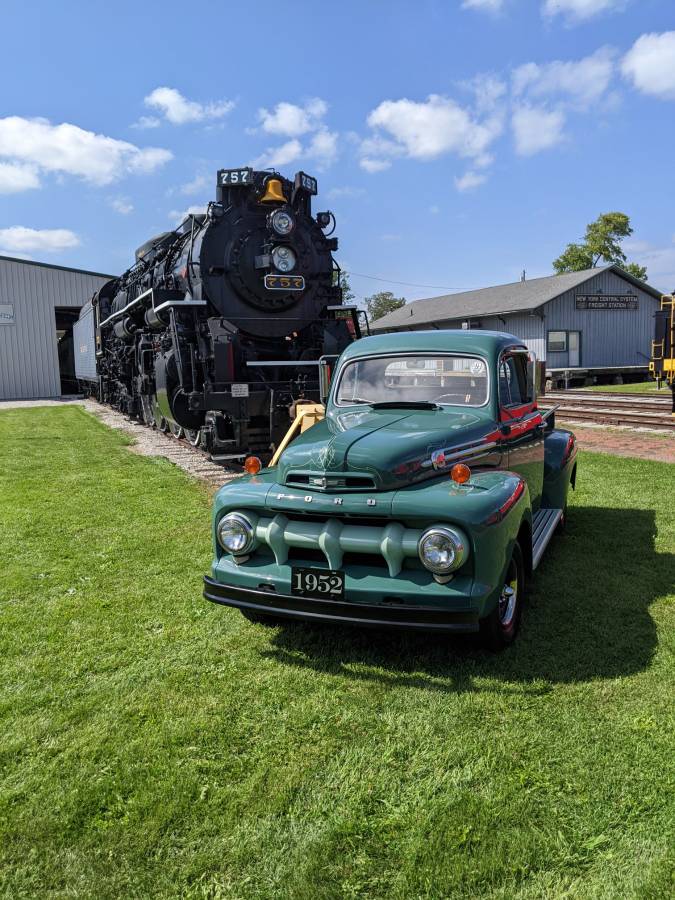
[
  {"x": 640, "y": 387},
  {"x": 153, "y": 745}
]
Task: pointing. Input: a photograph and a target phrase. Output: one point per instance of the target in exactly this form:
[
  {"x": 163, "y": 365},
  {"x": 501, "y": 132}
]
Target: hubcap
[{"x": 508, "y": 597}]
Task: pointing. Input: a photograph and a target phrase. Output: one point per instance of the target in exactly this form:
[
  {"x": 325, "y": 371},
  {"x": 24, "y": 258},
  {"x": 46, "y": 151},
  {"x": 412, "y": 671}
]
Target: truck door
[{"x": 520, "y": 421}]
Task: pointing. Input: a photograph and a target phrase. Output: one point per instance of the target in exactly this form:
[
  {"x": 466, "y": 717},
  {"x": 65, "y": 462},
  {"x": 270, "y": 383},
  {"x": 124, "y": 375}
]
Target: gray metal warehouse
[
  {"x": 597, "y": 322},
  {"x": 39, "y": 304}
]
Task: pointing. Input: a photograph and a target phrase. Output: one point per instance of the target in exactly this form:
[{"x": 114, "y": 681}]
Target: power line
[{"x": 435, "y": 287}]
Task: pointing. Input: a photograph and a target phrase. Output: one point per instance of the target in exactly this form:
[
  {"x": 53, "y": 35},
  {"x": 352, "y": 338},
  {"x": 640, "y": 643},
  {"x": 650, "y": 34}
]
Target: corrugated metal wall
[
  {"x": 615, "y": 337},
  {"x": 29, "y": 365},
  {"x": 85, "y": 345}
]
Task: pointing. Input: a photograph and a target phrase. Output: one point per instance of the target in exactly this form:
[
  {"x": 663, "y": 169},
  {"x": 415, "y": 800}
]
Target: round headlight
[
  {"x": 442, "y": 550},
  {"x": 283, "y": 259},
  {"x": 235, "y": 534},
  {"x": 282, "y": 221}
]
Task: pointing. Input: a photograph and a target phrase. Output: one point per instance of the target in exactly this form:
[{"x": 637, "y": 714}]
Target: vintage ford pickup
[{"x": 423, "y": 500}]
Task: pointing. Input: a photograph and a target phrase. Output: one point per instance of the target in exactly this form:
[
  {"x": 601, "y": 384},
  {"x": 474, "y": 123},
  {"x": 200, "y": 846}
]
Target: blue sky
[{"x": 456, "y": 142}]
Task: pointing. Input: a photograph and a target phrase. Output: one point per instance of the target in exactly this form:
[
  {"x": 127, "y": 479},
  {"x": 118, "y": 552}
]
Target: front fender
[
  {"x": 492, "y": 510},
  {"x": 560, "y": 453}
]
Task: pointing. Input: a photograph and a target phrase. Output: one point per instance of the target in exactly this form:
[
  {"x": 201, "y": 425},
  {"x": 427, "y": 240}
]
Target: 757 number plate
[{"x": 321, "y": 584}]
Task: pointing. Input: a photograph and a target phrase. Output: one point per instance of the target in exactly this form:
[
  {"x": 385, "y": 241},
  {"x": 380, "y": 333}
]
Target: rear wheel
[{"x": 500, "y": 628}]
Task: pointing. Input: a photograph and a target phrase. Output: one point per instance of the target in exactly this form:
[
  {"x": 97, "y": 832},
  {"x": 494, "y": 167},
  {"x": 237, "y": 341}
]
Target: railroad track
[{"x": 614, "y": 409}]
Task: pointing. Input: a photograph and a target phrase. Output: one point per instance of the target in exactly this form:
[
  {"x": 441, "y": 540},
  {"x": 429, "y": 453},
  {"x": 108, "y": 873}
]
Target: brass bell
[{"x": 273, "y": 192}]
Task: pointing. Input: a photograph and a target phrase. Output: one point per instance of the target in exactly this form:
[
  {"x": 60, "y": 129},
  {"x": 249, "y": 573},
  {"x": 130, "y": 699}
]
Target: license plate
[{"x": 321, "y": 584}]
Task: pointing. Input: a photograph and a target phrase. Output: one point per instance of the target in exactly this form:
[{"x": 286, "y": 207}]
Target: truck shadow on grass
[{"x": 587, "y": 617}]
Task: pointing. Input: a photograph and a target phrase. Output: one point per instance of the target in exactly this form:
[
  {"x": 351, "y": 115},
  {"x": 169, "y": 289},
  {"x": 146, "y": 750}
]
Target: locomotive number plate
[
  {"x": 284, "y": 282},
  {"x": 235, "y": 177},
  {"x": 322, "y": 584}
]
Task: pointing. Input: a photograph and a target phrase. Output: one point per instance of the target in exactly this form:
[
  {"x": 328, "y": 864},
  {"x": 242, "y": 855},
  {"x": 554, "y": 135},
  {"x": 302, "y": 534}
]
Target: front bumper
[{"x": 385, "y": 615}]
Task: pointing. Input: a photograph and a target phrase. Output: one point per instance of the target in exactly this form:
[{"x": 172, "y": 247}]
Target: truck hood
[{"x": 376, "y": 449}]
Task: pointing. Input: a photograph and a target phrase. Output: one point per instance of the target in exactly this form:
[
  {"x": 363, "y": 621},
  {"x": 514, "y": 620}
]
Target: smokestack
[{"x": 522, "y": 276}]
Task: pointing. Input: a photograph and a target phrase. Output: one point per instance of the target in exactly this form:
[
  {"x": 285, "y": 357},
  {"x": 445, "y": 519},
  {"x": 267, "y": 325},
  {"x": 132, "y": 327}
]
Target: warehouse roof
[
  {"x": 44, "y": 265},
  {"x": 520, "y": 296}
]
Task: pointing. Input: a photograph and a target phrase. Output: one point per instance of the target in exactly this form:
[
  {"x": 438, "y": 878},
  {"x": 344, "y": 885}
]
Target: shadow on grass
[{"x": 587, "y": 617}]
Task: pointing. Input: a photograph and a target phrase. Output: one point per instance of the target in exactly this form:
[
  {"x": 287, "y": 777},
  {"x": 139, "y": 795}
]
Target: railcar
[{"x": 662, "y": 363}]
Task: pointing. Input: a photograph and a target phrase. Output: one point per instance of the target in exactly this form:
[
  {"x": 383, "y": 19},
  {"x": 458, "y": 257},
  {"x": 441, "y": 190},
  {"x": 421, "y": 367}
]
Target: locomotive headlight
[
  {"x": 235, "y": 534},
  {"x": 282, "y": 221},
  {"x": 283, "y": 259},
  {"x": 442, "y": 550}
]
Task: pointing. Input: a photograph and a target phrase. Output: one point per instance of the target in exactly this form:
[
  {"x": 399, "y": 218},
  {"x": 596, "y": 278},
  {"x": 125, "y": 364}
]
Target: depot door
[{"x": 574, "y": 348}]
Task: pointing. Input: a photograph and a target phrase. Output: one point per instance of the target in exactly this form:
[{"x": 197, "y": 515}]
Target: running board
[{"x": 544, "y": 523}]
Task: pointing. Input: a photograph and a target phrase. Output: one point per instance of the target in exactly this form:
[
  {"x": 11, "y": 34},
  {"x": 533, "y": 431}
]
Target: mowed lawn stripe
[{"x": 153, "y": 745}]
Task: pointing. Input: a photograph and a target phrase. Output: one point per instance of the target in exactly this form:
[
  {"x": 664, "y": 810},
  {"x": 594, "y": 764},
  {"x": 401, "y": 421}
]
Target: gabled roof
[{"x": 520, "y": 296}]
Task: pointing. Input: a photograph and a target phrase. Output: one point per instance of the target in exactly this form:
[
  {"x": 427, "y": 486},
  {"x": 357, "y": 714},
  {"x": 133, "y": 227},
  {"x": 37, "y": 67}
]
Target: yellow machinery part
[{"x": 306, "y": 415}]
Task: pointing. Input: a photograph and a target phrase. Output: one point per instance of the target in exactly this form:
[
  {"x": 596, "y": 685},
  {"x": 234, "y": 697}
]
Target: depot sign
[{"x": 606, "y": 301}]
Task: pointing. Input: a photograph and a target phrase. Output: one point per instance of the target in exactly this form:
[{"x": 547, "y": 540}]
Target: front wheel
[{"x": 499, "y": 629}]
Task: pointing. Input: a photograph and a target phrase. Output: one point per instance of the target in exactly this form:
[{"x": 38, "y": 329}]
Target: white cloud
[
  {"x": 346, "y": 191},
  {"x": 122, "y": 205},
  {"x": 426, "y": 131},
  {"x": 580, "y": 10},
  {"x": 15, "y": 178},
  {"x": 582, "y": 81},
  {"x": 176, "y": 216},
  {"x": 434, "y": 210},
  {"x": 488, "y": 90},
  {"x": 660, "y": 261},
  {"x": 291, "y": 120},
  {"x": 178, "y": 110},
  {"x": 147, "y": 122},
  {"x": 49, "y": 240},
  {"x": 650, "y": 64},
  {"x": 491, "y": 6},
  {"x": 536, "y": 129},
  {"x": 323, "y": 148},
  {"x": 72, "y": 150},
  {"x": 469, "y": 181},
  {"x": 196, "y": 186},
  {"x": 371, "y": 165},
  {"x": 275, "y": 157}
]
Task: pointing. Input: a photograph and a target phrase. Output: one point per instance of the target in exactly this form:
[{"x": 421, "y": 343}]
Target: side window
[{"x": 514, "y": 387}]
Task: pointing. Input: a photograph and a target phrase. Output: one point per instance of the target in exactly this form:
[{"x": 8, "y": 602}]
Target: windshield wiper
[
  {"x": 405, "y": 404},
  {"x": 358, "y": 400}
]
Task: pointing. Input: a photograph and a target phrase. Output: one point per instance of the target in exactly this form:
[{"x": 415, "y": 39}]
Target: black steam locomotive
[{"x": 218, "y": 328}]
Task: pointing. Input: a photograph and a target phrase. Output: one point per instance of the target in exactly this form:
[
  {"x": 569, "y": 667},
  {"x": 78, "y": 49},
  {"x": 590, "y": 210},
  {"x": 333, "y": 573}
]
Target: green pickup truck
[{"x": 423, "y": 500}]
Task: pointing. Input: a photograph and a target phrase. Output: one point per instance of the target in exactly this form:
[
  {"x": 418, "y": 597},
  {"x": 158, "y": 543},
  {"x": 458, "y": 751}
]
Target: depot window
[{"x": 557, "y": 341}]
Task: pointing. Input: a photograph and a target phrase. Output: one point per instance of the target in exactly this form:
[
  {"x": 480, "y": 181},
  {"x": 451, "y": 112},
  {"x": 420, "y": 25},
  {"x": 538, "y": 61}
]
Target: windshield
[{"x": 443, "y": 380}]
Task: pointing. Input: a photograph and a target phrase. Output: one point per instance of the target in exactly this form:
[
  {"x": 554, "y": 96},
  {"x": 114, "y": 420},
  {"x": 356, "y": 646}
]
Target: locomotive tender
[{"x": 218, "y": 328}]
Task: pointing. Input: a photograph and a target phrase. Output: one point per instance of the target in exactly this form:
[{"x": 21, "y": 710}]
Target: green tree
[
  {"x": 348, "y": 295},
  {"x": 382, "y": 303},
  {"x": 602, "y": 242}
]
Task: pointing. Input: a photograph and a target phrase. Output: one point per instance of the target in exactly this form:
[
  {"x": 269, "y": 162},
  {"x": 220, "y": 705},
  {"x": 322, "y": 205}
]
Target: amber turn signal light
[
  {"x": 460, "y": 473},
  {"x": 252, "y": 465}
]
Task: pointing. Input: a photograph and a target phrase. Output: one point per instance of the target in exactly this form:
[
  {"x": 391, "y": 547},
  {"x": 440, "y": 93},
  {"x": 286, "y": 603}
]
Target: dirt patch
[
  {"x": 149, "y": 442},
  {"x": 659, "y": 446}
]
